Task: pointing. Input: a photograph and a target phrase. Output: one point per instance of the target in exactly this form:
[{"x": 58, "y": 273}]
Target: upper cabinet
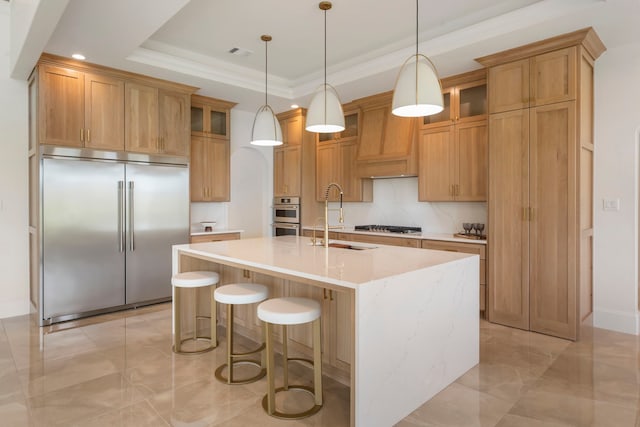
[
  {"x": 210, "y": 149},
  {"x": 287, "y": 158},
  {"x": 89, "y": 106},
  {"x": 210, "y": 117},
  {"x": 465, "y": 99},
  {"x": 157, "y": 121},
  {"x": 542, "y": 79},
  {"x": 78, "y": 109},
  {"x": 335, "y": 160},
  {"x": 453, "y": 144}
]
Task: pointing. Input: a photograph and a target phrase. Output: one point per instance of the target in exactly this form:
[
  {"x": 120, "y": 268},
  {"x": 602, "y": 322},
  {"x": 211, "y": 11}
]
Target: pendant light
[
  {"x": 418, "y": 90},
  {"x": 325, "y": 111},
  {"x": 266, "y": 128}
]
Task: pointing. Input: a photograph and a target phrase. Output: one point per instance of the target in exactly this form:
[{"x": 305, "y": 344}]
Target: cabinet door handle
[
  {"x": 88, "y": 135},
  {"x": 81, "y": 135},
  {"x": 331, "y": 295}
]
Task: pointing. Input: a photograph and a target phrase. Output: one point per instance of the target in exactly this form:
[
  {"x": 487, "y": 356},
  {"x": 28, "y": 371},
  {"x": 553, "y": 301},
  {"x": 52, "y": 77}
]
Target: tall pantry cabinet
[{"x": 541, "y": 183}]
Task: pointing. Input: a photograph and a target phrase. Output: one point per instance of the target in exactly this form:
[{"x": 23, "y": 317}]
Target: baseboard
[
  {"x": 14, "y": 308},
  {"x": 620, "y": 321}
]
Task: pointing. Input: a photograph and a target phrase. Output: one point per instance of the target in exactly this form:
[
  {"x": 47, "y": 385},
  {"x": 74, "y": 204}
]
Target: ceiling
[{"x": 367, "y": 40}]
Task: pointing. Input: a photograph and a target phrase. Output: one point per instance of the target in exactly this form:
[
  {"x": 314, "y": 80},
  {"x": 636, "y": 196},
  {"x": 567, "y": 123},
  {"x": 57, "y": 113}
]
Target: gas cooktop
[{"x": 388, "y": 228}]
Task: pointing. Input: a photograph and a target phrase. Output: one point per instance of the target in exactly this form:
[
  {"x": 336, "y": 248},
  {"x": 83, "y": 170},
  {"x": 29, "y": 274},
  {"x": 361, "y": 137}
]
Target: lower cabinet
[{"x": 468, "y": 248}]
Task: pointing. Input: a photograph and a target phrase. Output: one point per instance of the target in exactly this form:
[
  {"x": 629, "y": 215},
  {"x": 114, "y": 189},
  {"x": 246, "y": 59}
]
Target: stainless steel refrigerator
[{"x": 107, "y": 230}]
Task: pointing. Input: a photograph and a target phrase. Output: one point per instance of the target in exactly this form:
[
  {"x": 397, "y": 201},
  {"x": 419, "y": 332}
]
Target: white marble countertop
[
  {"x": 295, "y": 256},
  {"x": 425, "y": 235},
  {"x": 214, "y": 231}
]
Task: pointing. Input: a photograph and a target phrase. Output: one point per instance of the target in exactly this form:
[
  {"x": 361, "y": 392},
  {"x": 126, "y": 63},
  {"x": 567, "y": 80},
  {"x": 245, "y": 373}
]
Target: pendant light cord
[
  {"x": 416, "y": 30},
  {"x": 325, "y": 66},
  {"x": 266, "y": 56}
]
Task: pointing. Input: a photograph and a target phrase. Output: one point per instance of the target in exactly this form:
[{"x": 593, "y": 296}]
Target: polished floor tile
[{"x": 118, "y": 369}]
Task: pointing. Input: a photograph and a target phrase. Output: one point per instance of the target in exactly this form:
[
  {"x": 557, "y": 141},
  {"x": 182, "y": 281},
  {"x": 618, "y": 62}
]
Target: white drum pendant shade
[
  {"x": 418, "y": 92},
  {"x": 266, "y": 128},
  {"x": 325, "y": 111}
]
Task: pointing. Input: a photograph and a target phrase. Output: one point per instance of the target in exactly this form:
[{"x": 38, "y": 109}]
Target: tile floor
[{"x": 118, "y": 370}]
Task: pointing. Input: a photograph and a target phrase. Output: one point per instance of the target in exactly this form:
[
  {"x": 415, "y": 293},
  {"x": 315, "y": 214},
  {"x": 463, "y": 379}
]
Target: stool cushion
[
  {"x": 195, "y": 279},
  {"x": 289, "y": 311},
  {"x": 241, "y": 293}
]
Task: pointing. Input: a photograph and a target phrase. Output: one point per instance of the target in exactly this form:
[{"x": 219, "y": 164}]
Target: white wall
[
  {"x": 617, "y": 123},
  {"x": 14, "y": 255}
]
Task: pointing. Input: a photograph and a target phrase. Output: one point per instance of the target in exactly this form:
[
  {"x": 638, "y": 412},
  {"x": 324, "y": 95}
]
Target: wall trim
[{"x": 620, "y": 321}]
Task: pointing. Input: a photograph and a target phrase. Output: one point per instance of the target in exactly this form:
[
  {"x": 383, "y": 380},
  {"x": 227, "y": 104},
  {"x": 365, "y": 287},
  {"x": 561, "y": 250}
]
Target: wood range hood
[{"x": 388, "y": 144}]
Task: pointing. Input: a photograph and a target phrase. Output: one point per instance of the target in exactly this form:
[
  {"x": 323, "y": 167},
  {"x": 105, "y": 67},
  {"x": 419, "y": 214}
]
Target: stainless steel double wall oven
[{"x": 286, "y": 216}]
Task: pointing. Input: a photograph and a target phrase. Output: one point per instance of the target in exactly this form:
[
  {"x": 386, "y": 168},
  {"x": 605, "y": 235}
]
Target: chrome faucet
[{"x": 326, "y": 212}]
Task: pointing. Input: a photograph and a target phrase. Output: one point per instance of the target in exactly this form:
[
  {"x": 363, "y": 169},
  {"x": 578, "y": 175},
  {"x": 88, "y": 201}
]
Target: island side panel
[{"x": 416, "y": 333}]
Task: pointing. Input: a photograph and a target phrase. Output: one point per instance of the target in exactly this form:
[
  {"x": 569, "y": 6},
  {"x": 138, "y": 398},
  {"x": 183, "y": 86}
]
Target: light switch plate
[{"x": 611, "y": 204}]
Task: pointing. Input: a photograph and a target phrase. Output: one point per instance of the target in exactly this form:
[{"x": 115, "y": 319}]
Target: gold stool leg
[
  {"x": 195, "y": 314},
  {"x": 317, "y": 361},
  {"x": 285, "y": 356},
  {"x": 271, "y": 392},
  {"x": 214, "y": 320},
  {"x": 177, "y": 336},
  {"x": 229, "y": 343}
]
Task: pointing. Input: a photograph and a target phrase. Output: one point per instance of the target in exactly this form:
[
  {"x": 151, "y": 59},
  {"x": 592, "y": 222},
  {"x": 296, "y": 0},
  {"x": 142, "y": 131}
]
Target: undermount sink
[{"x": 350, "y": 246}]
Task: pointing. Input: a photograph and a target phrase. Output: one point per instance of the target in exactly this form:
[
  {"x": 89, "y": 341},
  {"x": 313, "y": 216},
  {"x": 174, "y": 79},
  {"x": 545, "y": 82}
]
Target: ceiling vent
[{"x": 240, "y": 51}]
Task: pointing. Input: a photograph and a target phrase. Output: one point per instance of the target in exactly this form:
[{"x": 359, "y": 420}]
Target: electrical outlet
[{"x": 612, "y": 205}]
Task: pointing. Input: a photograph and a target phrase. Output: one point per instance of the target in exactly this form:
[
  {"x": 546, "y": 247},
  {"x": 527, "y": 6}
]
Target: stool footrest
[
  {"x": 248, "y": 353},
  {"x": 291, "y": 415},
  {"x": 197, "y": 338},
  {"x": 256, "y": 377}
]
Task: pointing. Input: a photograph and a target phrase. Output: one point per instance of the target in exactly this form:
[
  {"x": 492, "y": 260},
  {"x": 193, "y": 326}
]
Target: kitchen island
[{"x": 414, "y": 324}]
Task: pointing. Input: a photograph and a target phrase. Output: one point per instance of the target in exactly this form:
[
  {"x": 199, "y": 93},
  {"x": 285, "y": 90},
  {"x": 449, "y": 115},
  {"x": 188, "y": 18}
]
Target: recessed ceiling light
[
  {"x": 295, "y": 106},
  {"x": 78, "y": 56},
  {"x": 240, "y": 51}
]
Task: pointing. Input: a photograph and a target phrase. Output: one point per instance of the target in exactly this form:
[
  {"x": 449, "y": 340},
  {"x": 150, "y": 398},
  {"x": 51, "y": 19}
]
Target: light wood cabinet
[
  {"x": 465, "y": 100},
  {"x": 210, "y": 149},
  {"x": 218, "y": 237},
  {"x": 78, "y": 109},
  {"x": 541, "y": 183},
  {"x": 209, "y": 170},
  {"x": 381, "y": 240},
  {"x": 287, "y": 158},
  {"x": 336, "y": 325},
  {"x": 453, "y": 163},
  {"x": 452, "y": 152},
  {"x": 542, "y": 79},
  {"x": 156, "y": 120},
  {"x": 336, "y": 155},
  {"x": 211, "y": 117},
  {"x": 467, "y": 248},
  {"x": 287, "y": 171}
]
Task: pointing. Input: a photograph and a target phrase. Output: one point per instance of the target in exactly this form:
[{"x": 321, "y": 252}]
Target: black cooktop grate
[{"x": 388, "y": 228}]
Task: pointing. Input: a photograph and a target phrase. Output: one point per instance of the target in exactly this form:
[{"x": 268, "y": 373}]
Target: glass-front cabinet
[
  {"x": 210, "y": 117},
  {"x": 463, "y": 102},
  {"x": 351, "y": 129}
]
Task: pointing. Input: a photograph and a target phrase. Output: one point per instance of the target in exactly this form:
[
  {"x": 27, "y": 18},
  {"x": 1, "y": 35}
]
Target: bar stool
[
  {"x": 193, "y": 279},
  {"x": 236, "y": 294},
  {"x": 291, "y": 311}
]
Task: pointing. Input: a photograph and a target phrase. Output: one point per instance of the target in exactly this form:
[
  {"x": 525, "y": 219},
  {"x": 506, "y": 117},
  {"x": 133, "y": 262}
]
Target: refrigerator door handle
[
  {"x": 121, "y": 216},
  {"x": 131, "y": 232}
]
